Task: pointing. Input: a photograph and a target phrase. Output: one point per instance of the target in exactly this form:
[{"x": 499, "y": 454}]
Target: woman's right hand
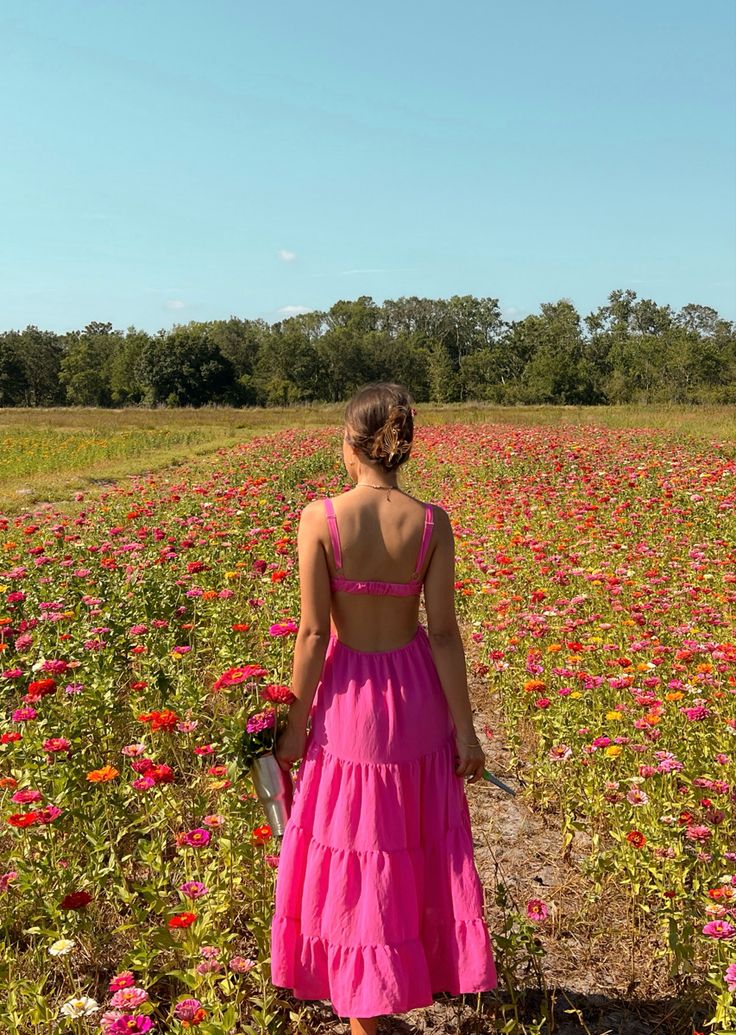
[
  {"x": 470, "y": 759},
  {"x": 290, "y": 746}
]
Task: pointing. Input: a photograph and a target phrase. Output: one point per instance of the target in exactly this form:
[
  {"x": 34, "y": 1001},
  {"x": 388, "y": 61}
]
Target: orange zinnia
[{"x": 108, "y": 772}]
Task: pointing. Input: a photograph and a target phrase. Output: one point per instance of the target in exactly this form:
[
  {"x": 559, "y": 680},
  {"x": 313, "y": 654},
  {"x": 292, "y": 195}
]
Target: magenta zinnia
[{"x": 265, "y": 720}]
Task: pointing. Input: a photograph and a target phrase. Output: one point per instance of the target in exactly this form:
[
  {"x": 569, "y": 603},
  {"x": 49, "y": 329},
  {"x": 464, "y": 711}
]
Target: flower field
[{"x": 597, "y": 581}]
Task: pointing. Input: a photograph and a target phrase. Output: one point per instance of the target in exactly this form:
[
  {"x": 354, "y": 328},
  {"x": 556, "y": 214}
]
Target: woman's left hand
[{"x": 290, "y": 746}]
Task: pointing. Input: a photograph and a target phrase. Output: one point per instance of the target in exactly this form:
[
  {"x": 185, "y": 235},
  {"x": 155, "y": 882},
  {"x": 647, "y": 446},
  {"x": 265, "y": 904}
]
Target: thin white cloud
[
  {"x": 293, "y": 310},
  {"x": 175, "y": 303},
  {"x": 285, "y": 255}
]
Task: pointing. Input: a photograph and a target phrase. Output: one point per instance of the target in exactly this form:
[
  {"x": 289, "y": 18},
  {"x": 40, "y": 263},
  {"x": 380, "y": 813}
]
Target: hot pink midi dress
[{"x": 378, "y": 901}]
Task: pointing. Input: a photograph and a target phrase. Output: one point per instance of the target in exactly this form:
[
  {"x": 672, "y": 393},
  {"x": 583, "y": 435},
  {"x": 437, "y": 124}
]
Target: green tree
[
  {"x": 41, "y": 353},
  {"x": 13, "y": 381},
  {"x": 557, "y": 370},
  {"x": 85, "y": 367},
  {"x": 185, "y": 368}
]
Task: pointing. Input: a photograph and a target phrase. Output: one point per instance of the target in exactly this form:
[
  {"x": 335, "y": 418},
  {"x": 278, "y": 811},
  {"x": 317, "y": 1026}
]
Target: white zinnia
[
  {"x": 82, "y": 1007},
  {"x": 61, "y": 947}
]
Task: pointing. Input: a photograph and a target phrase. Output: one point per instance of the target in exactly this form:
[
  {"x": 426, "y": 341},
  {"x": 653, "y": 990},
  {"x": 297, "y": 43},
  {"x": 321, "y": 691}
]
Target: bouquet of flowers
[{"x": 274, "y": 786}]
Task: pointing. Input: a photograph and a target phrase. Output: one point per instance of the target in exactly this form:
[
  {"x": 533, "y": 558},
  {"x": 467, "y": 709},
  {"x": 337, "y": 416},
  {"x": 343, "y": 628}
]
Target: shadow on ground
[{"x": 568, "y": 1013}]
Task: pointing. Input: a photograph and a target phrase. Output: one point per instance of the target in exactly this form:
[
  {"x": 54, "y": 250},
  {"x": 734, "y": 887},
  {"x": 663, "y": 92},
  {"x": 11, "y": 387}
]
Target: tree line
[{"x": 630, "y": 350}]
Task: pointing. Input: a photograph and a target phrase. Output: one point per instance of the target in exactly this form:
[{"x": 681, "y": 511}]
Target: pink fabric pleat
[{"x": 379, "y": 905}]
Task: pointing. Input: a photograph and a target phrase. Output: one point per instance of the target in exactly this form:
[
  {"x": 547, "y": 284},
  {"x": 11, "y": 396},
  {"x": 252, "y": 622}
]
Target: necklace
[{"x": 370, "y": 485}]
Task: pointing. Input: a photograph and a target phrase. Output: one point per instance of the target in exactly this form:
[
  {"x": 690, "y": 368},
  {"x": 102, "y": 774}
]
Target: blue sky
[{"x": 174, "y": 161}]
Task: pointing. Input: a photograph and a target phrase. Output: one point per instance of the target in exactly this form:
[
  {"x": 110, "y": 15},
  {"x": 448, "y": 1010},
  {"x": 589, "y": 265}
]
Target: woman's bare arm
[
  {"x": 314, "y": 623},
  {"x": 447, "y": 647}
]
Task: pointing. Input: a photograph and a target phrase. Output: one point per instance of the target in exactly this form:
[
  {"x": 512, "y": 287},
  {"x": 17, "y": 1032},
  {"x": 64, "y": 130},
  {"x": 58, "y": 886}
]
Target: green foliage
[
  {"x": 629, "y": 350},
  {"x": 185, "y": 368}
]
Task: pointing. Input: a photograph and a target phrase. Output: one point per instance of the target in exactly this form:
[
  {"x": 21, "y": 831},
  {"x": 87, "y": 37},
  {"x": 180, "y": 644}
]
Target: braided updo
[{"x": 380, "y": 423}]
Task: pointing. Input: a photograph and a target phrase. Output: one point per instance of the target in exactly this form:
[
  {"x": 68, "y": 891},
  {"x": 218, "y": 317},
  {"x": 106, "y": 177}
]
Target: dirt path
[{"x": 598, "y": 971}]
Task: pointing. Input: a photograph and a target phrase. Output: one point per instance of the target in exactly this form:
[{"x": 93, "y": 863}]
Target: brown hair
[{"x": 380, "y": 423}]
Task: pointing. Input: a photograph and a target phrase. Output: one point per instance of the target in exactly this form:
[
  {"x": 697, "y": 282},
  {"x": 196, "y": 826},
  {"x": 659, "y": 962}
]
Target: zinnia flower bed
[{"x": 138, "y": 634}]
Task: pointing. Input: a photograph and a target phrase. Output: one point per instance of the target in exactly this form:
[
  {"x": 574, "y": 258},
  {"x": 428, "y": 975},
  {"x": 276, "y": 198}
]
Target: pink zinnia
[
  {"x": 130, "y": 1024},
  {"x": 6, "y": 879},
  {"x": 129, "y": 998},
  {"x": 54, "y": 665},
  {"x": 283, "y": 628},
  {"x": 696, "y": 713},
  {"x": 122, "y": 980},
  {"x": 209, "y": 966},
  {"x": 187, "y": 1009},
  {"x": 730, "y": 977},
  {"x": 719, "y": 929},
  {"x": 240, "y": 965},
  {"x": 26, "y": 796},
  {"x": 133, "y": 750},
  {"x": 56, "y": 744},
  {"x": 49, "y": 814},
  {"x": 194, "y": 838},
  {"x": 193, "y": 889},
  {"x": 536, "y": 909},
  {"x": 24, "y": 714},
  {"x": 697, "y": 833},
  {"x": 108, "y": 1019},
  {"x": 265, "y": 720}
]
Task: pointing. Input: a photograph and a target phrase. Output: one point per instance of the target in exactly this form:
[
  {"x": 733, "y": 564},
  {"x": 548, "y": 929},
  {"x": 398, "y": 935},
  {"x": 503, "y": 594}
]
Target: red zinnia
[
  {"x": 76, "y": 900},
  {"x": 20, "y": 820},
  {"x": 233, "y": 676},
  {"x": 160, "y": 720},
  {"x": 182, "y": 920},
  {"x": 40, "y": 688},
  {"x": 636, "y": 838}
]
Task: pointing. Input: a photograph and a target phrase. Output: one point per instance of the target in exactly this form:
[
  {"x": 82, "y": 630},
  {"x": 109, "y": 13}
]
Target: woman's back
[{"x": 378, "y": 551}]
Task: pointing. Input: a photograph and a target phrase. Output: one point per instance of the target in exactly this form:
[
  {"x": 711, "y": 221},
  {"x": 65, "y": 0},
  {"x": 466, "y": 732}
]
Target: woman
[{"x": 378, "y": 900}]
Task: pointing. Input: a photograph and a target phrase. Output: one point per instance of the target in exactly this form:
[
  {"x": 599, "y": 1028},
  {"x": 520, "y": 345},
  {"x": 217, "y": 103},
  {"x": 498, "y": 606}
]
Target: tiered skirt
[{"x": 378, "y": 901}]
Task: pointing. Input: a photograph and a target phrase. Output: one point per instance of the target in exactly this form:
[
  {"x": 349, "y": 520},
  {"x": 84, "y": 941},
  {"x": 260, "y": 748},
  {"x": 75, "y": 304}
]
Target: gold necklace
[{"x": 370, "y": 485}]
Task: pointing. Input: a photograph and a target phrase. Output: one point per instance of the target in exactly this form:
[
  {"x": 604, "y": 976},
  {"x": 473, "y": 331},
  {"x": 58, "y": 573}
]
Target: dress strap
[
  {"x": 426, "y": 535},
  {"x": 334, "y": 534}
]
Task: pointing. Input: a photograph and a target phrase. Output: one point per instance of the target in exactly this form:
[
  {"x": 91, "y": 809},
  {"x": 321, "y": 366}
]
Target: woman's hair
[{"x": 380, "y": 423}]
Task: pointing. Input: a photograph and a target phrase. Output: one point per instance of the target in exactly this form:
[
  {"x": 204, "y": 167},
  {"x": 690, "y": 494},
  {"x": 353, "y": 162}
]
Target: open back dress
[{"x": 378, "y": 900}]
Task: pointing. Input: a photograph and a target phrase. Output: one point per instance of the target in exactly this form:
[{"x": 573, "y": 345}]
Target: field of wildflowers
[{"x": 139, "y": 631}]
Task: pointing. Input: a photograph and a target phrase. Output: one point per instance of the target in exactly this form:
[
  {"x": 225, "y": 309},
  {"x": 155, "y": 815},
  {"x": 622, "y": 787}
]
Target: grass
[{"x": 49, "y": 454}]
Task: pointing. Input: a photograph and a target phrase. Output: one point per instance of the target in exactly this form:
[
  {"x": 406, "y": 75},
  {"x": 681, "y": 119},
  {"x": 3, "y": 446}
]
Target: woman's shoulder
[{"x": 319, "y": 506}]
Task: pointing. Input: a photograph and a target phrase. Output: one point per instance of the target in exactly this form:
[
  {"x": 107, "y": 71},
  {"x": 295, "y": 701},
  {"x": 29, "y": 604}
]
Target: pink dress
[{"x": 378, "y": 901}]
